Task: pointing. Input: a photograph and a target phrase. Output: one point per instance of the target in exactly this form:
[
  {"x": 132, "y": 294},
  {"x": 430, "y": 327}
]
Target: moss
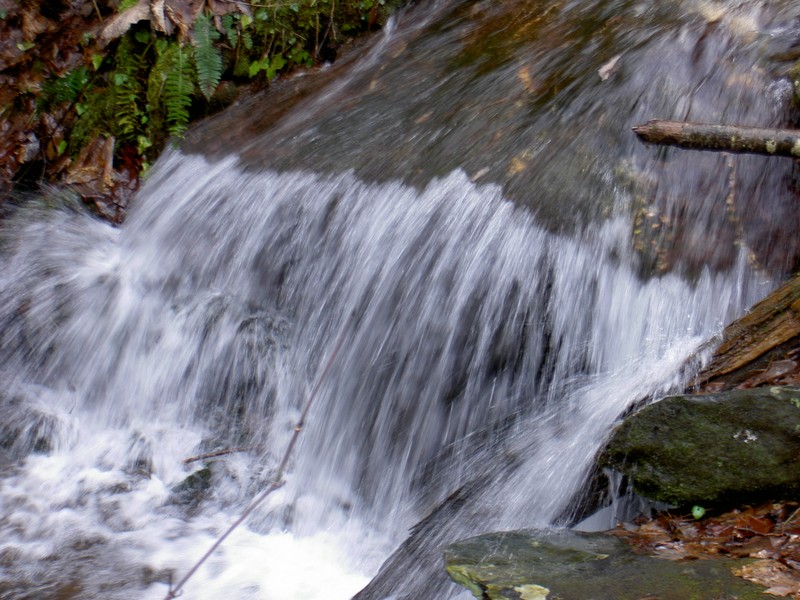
[
  {"x": 461, "y": 575},
  {"x": 737, "y": 446},
  {"x": 191, "y": 491}
]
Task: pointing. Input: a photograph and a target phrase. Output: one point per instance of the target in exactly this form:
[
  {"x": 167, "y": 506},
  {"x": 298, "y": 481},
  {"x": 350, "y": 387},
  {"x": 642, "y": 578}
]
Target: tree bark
[
  {"x": 760, "y": 348},
  {"x": 721, "y": 138}
]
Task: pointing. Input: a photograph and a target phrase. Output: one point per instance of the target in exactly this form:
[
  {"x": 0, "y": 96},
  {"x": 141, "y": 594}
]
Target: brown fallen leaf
[
  {"x": 219, "y": 9},
  {"x": 607, "y": 69},
  {"x": 754, "y": 524},
  {"x": 517, "y": 166},
  {"x": 527, "y": 80},
  {"x": 89, "y": 165},
  {"x": 777, "y": 578},
  {"x": 117, "y": 25},
  {"x": 33, "y": 23},
  {"x": 183, "y": 14}
]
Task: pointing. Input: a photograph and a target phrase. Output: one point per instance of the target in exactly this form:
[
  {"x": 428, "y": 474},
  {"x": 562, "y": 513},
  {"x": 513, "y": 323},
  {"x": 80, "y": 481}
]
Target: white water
[
  {"x": 485, "y": 351},
  {"x": 201, "y": 324}
]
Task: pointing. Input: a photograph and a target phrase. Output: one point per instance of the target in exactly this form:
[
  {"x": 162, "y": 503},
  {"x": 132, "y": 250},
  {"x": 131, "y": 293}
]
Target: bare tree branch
[{"x": 721, "y": 138}]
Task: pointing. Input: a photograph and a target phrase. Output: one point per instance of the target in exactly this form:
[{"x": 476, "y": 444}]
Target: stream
[{"x": 463, "y": 202}]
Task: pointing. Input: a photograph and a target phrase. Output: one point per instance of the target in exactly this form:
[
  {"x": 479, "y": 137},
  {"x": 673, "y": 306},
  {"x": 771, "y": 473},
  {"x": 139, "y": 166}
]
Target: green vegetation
[
  {"x": 139, "y": 72},
  {"x": 152, "y": 84}
]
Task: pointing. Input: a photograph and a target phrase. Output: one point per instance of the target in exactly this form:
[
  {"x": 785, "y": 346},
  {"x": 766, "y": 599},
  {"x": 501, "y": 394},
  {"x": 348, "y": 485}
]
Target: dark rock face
[
  {"x": 534, "y": 565},
  {"x": 731, "y": 447}
]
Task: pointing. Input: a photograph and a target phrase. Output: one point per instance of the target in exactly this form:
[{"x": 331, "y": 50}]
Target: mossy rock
[
  {"x": 193, "y": 489},
  {"x": 565, "y": 565},
  {"x": 712, "y": 449}
]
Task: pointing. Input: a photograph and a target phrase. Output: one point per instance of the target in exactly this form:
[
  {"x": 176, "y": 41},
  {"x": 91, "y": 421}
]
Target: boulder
[
  {"x": 534, "y": 565},
  {"x": 730, "y": 447}
]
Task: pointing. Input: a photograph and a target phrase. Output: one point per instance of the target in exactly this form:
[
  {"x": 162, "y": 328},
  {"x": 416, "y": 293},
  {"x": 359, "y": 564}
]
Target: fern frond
[
  {"x": 63, "y": 89},
  {"x": 178, "y": 88},
  {"x": 247, "y": 39},
  {"x": 127, "y": 89},
  {"x": 155, "y": 83},
  {"x": 229, "y": 25},
  {"x": 207, "y": 57}
]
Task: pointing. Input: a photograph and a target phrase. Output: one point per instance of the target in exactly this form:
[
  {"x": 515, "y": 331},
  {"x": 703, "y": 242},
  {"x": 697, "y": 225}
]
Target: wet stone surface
[
  {"x": 712, "y": 449},
  {"x": 534, "y": 565}
]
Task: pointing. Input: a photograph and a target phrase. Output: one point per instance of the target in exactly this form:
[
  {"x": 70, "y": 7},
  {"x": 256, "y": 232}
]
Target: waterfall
[
  {"x": 200, "y": 325},
  {"x": 477, "y": 337}
]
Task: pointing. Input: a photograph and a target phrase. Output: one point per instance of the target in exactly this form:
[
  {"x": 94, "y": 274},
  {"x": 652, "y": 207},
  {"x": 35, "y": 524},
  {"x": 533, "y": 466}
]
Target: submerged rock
[
  {"x": 191, "y": 491},
  {"x": 534, "y": 565},
  {"x": 731, "y": 447}
]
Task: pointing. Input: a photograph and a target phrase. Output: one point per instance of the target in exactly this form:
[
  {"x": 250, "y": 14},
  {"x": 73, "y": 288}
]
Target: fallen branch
[
  {"x": 721, "y": 138},
  {"x": 760, "y": 348},
  {"x": 277, "y": 479}
]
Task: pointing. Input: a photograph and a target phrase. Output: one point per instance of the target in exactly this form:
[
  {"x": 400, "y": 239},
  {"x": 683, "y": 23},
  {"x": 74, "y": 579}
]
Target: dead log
[
  {"x": 760, "y": 348},
  {"x": 721, "y": 138}
]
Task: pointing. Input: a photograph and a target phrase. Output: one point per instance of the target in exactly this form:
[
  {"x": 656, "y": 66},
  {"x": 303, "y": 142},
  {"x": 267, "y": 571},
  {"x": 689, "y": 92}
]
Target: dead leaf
[
  {"x": 91, "y": 165},
  {"x": 520, "y": 162},
  {"x": 117, "y": 25},
  {"x": 779, "y": 579},
  {"x": 219, "y": 9},
  {"x": 182, "y": 13},
  {"x": 755, "y": 524},
  {"x": 524, "y": 75},
  {"x": 480, "y": 173},
  {"x": 687, "y": 531},
  {"x": 608, "y": 69},
  {"x": 159, "y": 17},
  {"x": 33, "y": 23},
  {"x": 719, "y": 530},
  {"x": 516, "y": 166},
  {"x": 422, "y": 118},
  {"x": 681, "y": 551}
]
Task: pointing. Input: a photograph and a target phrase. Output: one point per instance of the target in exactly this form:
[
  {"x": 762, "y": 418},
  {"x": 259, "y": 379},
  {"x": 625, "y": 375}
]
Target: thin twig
[
  {"x": 277, "y": 480},
  {"x": 217, "y": 453},
  {"x": 97, "y": 10},
  {"x": 327, "y": 31}
]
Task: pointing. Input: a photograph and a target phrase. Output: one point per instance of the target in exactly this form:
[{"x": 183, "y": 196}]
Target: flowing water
[{"x": 464, "y": 204}]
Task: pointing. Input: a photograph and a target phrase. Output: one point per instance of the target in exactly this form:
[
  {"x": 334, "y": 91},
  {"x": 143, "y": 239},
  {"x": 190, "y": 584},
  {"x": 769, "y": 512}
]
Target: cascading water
[{"x": 489, "y": 349}]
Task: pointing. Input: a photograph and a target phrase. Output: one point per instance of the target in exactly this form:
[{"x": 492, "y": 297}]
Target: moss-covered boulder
[
  {"x": 711, "y": 449},
  {"x": 534, "y": 565}
]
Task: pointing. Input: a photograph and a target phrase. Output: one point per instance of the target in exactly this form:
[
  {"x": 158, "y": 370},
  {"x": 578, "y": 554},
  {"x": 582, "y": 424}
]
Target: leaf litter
[{"x": 769, "y": 534}]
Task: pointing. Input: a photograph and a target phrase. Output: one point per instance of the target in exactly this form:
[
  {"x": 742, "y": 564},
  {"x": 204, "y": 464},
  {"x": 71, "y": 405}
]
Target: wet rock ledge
[{"x": 534, "y": 565}]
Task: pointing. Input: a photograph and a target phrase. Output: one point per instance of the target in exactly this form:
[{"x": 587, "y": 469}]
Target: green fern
[
  {"x": 155, "y": 86},
  {"x": 245, "y": 21},
  {"x": 207, "y": 57},
  {"x": 229, "y": 25},
  {"x": 66, "y": 89},
  {"x": 178, "y": 88},
  {"x": 128, "y": 89}
]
